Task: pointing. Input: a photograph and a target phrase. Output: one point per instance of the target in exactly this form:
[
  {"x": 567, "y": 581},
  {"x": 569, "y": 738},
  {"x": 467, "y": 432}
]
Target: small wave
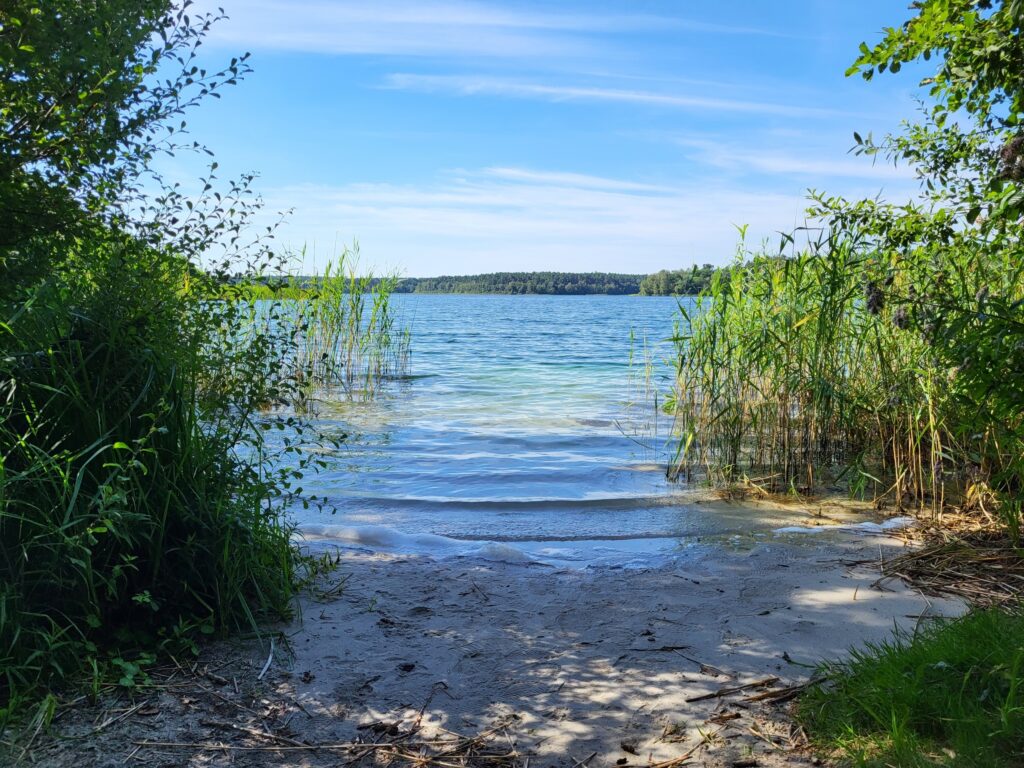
[
  {"x": 597, "y": 502},
  {"x": 575, "y": 552},
  {"x": 502, "y": 553},
  {"x": 595, "y": 422},
  {"x": 379, "y": 537},
  {"x": 893, "y": 524},
  {"x": 536, "y": 437},
  {"x": 411, "y": 376},
  {"x": 641, "y": 467},
  {"x": 588, "y": 537}
]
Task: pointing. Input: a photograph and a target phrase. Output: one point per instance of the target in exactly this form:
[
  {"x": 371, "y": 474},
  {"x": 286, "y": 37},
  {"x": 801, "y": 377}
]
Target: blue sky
[{"x": 462, "y": 137}]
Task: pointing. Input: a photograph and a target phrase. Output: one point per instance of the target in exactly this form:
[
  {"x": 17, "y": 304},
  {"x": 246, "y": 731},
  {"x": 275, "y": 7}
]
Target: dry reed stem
[{"x": 981, "y": 566}]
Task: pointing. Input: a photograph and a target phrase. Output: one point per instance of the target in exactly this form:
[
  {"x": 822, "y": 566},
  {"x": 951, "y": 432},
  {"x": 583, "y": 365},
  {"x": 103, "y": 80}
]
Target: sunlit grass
[
  {"x": 951, "y": 695},
  {"x": 346, "y": 331}
]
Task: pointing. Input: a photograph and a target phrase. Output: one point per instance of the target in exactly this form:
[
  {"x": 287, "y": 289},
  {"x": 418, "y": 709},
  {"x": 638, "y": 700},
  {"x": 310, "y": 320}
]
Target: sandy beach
[{"x": 555, "y": 667}]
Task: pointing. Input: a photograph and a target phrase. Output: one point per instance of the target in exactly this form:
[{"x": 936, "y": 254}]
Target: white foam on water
[
  {"x": 641, "y": 553},
  {"x": 382, "y": 538},
  {"x": 502, "y": 553},
  {"x": 626, "y": 553},
  {"x": 893, "y": 524}
]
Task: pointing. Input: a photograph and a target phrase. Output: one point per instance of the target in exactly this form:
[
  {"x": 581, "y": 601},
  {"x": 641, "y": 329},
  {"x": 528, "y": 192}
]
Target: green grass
[
  {"x": 952, "y": 695},
  {"x": 129, "y": 521}
]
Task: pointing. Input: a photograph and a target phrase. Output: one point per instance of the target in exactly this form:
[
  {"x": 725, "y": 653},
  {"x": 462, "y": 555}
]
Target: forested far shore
[
  {"x": 555, "y": 283},
  {"x": 680, "y": 282}
]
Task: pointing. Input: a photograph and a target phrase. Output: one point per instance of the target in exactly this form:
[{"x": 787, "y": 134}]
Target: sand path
[{"x": 593, "y": 665}]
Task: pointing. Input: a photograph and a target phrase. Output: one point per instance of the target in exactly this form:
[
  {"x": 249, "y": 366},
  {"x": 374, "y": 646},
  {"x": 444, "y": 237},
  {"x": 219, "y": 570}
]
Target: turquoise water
[{"x": 527, "y": 429}]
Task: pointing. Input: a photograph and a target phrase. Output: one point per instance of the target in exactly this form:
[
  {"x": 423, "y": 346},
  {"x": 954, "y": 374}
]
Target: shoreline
[
  {"x": 600, "y": 665},
  {"x": 702, "y": 523}
]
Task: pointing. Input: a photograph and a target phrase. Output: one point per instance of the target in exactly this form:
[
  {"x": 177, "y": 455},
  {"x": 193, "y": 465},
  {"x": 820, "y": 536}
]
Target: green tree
[
  {"x": 82, "y": 114},
  {"x": 964, "y": 244},
  {"x": 682, "y": 282}
]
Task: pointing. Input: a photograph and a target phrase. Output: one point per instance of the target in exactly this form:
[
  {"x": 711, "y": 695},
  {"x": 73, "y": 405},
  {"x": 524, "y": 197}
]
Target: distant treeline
[
  {"x": 685, "y": 282},
  {"x": 678, "y": 282},
  {"x": 562, "y": 283}
]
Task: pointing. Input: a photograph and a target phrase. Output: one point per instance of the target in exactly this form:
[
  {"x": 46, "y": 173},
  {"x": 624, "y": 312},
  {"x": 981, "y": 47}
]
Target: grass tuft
[
  {"x": 345, "y": 331},
  {"x": 951, "y": 695}
]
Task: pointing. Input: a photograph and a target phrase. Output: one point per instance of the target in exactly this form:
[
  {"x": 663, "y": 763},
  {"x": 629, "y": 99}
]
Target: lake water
[{"x": 527, "y": 430}]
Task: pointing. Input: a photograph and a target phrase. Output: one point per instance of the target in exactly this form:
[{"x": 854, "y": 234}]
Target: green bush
[{"x": 141, "y": 504}]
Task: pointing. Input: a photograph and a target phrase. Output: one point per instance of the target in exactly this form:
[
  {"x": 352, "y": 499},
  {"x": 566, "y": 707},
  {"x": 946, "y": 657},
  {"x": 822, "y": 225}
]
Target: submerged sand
[{"x": 595, "y": 667}]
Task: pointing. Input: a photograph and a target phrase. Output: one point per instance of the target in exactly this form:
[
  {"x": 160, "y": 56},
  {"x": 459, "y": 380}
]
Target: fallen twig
[
  {"x": 252, "y": 732},
  {"x": 783, "y": 694},
  {"x": 734, "y": 689}
]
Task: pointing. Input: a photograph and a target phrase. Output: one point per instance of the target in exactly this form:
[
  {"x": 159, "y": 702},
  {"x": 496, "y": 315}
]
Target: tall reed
[
  {"x": 346, "y": 331},
  {"x": 797, "y": 372}
]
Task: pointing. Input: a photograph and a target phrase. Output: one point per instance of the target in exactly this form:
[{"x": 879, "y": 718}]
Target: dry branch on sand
[{"x": 981, "y": 566}]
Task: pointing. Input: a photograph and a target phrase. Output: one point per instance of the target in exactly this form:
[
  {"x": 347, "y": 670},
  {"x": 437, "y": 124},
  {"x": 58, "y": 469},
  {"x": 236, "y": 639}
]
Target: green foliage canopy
[
  {"x": 82, "y": 111},
  {"x": 926, "y": 298},
  {"x": 980, "y": 57},
  {"x": 139, "y": 505},
  {"x": 974, "y": 198}
]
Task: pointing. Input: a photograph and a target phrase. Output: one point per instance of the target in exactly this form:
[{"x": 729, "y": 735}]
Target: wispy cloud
[
  {"x": 471, "y": 85},
  {"x": 805, "y": 162},
  {"x": 580, "y": 180},
  {"x": 597, "y": 80},
  {"x": 399, "y": 28},
  {"x": 438, "y": 28},
  {"x": 519, "y": 218}
]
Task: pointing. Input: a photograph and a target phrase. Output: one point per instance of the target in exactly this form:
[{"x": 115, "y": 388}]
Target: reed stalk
[
  {"x": 346, "y": 332},
  {"x": 794, "y": 372}
]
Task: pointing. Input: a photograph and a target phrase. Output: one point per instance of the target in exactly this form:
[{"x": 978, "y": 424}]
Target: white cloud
[
  {"x": 509, "y": 217},
  {"x": 807, "y": 161},
  {"x": 572, "y": 180},
  {"x": 395, "y": 27},
  {"x": 433, "y": 28},
  {"x": 497, "y": 86},
  {"x": 522, "y": 219}
]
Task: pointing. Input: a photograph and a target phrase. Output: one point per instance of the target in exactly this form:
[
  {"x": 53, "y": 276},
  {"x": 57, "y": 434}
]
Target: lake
[{"x": 527, "y": 429}]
